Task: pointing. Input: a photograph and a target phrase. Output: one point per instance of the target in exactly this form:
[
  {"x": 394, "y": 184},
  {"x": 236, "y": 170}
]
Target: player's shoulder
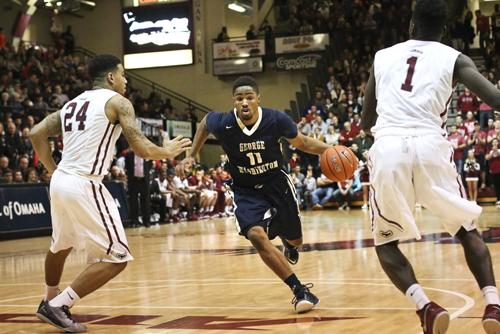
[{"x": 219, "y": 120}]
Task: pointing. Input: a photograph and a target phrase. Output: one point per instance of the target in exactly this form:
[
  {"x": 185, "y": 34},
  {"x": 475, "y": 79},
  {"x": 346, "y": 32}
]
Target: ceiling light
[{"x": 236, "y": 7}]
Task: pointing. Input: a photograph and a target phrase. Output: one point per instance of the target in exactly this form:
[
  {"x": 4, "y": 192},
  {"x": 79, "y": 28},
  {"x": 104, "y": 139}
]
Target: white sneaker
[{"x": 364, "y": 207}]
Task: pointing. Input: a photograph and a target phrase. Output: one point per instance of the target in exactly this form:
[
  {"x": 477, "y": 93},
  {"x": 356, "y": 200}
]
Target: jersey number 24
[{"x": 81, "y": 116}]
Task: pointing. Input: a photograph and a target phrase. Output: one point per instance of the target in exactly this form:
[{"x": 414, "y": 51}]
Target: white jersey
[
  {"x": 414, "y": 85},
  {"x": 88, "y": 136}
]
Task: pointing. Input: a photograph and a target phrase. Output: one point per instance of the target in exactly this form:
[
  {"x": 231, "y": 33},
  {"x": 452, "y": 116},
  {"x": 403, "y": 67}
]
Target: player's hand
[{"x": 176, "y": 146}]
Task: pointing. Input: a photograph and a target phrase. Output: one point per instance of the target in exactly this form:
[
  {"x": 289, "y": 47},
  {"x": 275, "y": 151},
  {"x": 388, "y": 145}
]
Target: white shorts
[
  {"x": 84, "y": 215},
  {"x": 406, "y": 170}
]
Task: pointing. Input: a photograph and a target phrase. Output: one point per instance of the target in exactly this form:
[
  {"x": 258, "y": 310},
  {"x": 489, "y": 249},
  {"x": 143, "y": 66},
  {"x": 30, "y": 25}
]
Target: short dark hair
[
  {"x": 245, "y": 80},
  {"x": 102, "y": 64},
  {"x": 430, "y": 17}
]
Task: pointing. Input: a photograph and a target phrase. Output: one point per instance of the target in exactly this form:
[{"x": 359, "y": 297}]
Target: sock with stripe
[
  {"x": 490, "y": 294},
  {"x": 416, "y": 294},
  {"x": 67, "y": 297}
]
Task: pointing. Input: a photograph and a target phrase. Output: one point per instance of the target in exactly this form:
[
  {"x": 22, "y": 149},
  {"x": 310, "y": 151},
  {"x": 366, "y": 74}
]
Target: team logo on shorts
[
  {"x": 119, "y": 255},
  {"x": 386, "y": 234}
]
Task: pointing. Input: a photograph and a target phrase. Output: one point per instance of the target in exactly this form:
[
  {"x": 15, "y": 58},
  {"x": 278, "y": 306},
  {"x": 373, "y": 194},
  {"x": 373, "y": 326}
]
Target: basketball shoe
[
  {"x": 59, "y": 317},
  {"x": 434, "y": 319},
  {"x": 304, "y": 299},
  {"x": 290, "y": 251},
  {"x": 491, "y": 319}
]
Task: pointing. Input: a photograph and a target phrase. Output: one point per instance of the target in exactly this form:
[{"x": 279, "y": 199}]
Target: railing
[{"x": 145, "y": 85}]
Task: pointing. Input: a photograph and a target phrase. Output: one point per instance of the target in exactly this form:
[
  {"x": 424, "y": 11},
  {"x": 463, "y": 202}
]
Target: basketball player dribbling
[
  {"x": 264, "y": 195},
  {"x": 84, "y": 214},
  {"x": 411, "y": 160}
]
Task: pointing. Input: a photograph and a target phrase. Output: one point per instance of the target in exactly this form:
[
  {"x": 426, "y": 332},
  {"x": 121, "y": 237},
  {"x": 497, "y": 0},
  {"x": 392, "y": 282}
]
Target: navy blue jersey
[{"x": 254, "y": 154}]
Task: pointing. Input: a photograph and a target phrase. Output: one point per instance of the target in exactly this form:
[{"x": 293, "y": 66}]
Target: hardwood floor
[{"x": 201, "y": 277}]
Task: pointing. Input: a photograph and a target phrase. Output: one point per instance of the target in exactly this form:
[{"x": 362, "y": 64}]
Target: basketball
[{"x": 338, "y": 163}]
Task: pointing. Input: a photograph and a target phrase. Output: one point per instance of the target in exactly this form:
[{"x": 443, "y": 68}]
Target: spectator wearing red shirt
[
  {"x": 356, "y": 123},
  {"x": 467, "y": 102},
  {"x": 458, "y": 142},
  {"x": 469, "y": 123},
  {"x": 461, "y": 128},
  {"x": 493, "y": 133},
  {"x": 347, "y": 135},
  {"x": 494, "y": 161},
  {"x": 3, "y": 39},
  {"x": 477, "y": 141},
  {"x": 483, "y": 28}
]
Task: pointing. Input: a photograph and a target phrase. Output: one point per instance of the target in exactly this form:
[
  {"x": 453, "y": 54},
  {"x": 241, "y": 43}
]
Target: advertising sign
[
  {"x": 238, "y": 66},
  {"x": 301, "y": 44},
  {"x": 239, "y": 49},
  {"x": 290, "y": 62}
]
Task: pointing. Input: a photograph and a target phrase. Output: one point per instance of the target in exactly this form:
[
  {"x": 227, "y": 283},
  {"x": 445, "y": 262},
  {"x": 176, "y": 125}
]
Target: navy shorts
[{"x": 272, "y": 205}]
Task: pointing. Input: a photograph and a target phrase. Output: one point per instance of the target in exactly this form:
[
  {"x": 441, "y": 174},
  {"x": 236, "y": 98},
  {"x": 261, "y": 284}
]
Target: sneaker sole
[
  {"x": 47, "y": 320},
  {"x": 304, "y": 306},
  {"x": 441, "y": 323},
  {"x": 289, "y": 261},
  {"x": 491, "y": 326}
]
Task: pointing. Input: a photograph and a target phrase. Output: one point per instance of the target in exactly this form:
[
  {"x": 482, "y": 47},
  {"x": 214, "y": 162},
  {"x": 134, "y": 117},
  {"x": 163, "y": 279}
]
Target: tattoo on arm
[
  {"x": 130, "y": 128},
  {"x": 52, "y": 124}
]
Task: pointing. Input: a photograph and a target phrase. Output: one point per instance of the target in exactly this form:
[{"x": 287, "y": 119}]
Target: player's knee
[
  {"x": 120, "y": 266},
  {"x": 295, "y": 242},
  {"x": 258, "y": 237}
]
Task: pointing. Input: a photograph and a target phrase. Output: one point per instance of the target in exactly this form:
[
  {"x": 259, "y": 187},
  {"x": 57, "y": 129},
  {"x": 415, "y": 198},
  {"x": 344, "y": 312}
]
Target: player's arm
[
  {"x": 308, "y": 144},
  {"x": 200, "y": 137},
  {"x": 466, "y": 72},
  {"x": 369, "y": 113},
  {"x": 39, "y": 135},
  {"x": 141, "y": 145}
]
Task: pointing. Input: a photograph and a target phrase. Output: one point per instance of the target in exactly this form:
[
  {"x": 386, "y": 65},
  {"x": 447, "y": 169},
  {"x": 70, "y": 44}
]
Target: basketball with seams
[{"x": 338, "y": 163}]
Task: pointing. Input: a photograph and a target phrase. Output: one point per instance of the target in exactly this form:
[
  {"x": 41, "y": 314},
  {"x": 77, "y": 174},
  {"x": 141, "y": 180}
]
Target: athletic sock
[
  {"x": 490, "y": 294},
  {"x": 292, "y": 281},
  {"x": 68, "y": 297},
  {"x": 416, "y": 294},
  {"x": 210, "y": 208},
  {"x": 51, "y": 291}
]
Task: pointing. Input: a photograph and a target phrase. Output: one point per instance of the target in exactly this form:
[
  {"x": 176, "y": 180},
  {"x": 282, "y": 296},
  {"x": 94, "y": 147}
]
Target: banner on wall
[
  {"x": 179, "y": 128},
  {"x": 238, "y": 66},
  {"x": 239, "y": 49},
  {"x": 291, "y": 62},
  {"x": 301, "y": 44}
]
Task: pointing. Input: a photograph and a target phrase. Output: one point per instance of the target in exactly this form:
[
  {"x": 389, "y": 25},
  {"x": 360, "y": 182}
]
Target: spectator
[
  {"x": 467, "y": 102},
  {"x": 304, "y": 127},
  {"x": 4, "y": 164},
  {"x": 7, "y": 177},
  {"x": 483, "y": 28},
  {"x": 3, "y": 39},
  {"x": 332, "y": 137},
  {"x": 468, "y": 31},
  {"x": 347, "y": 135},
  {"x": 469, "y": 123},
  {"x": 472, "y": 170},
  {"x": 493, "y": 157},
  {"x": 318, "y": 123},
  {"x": 18, "y": 177},
  {"x": 32, "y": 176},
  {"x": 477, "y": 141},
  {"x": 60, "y": 97},
  {"x": 251, "y": 33},
  {"x": 493, "y": 133},
  {"x": 294, "y": 161},
  {"x": 222, "y": 36},
  {"x": 343, "y": 195},
  {"x": 23, "y": 166},
  {"x": 69, "y": 41},
  {"x": 363, "y": 141},
  {"x": 459, "y": 143},
  {"x": 298, "y": 180},
  {"x": 165, "y": 199},
  {"x": 309, "y": 187},
  {"x": 364, "y": 177},
  {"x": 325, "y": 189},
  {"x": 461, "y": 128}
]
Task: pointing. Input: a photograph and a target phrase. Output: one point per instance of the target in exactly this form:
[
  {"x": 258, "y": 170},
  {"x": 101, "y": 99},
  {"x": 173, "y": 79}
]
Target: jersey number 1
[
  {"x": 412, "y": 61},
  {"x": 254, "y": 156},
  {"x": 81, "y": 116}
]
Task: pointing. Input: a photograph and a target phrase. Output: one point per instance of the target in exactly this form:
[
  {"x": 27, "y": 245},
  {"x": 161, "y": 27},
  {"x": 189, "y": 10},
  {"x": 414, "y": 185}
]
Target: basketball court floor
[{"x": 201, "y": 277}]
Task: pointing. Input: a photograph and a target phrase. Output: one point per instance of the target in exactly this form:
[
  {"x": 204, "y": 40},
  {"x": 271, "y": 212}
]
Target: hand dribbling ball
[{"x": 338, "y": 163}]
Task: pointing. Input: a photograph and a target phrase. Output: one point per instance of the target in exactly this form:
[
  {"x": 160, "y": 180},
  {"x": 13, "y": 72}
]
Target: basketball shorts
[
  {"x": 406, "y": 170},
  {"x": 85, "y": 216},
  {"x": 272, "y": 205}
]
